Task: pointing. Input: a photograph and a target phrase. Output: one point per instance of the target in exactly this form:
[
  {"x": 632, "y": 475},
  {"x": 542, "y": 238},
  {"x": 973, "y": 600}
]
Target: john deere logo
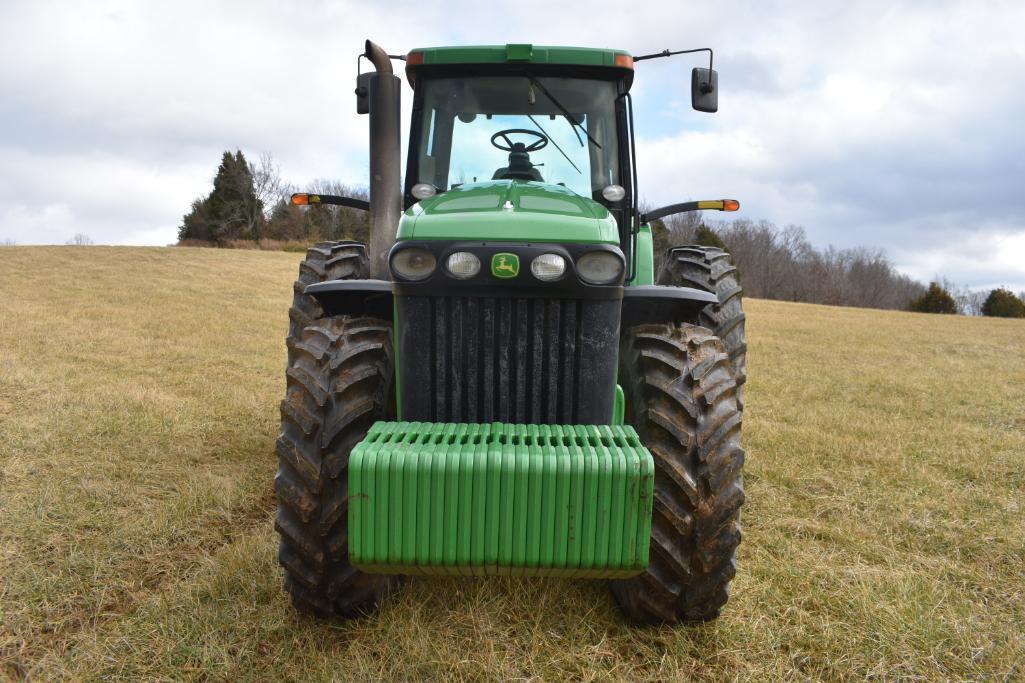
[{"x": 505, "y": 265}]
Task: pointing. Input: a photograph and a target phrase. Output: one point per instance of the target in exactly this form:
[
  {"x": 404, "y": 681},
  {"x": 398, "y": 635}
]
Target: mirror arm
[{"x": 668, "y": 53}]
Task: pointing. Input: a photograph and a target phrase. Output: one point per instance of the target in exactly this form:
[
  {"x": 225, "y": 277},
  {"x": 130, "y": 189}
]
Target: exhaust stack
[{"x": 384, "y": 96}]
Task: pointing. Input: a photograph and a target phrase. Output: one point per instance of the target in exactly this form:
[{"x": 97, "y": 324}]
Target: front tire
[
  {"x": 339, "y": 384},
  {"x": 682, "y": 400},
  {"x": 345, "y": 260},
  {"x": 711, "y": 269}
]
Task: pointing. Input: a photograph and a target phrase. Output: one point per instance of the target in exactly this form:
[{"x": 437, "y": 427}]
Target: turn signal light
[
  {"x": 730, "y": 205},
  {"x": 303, "y": 199}
]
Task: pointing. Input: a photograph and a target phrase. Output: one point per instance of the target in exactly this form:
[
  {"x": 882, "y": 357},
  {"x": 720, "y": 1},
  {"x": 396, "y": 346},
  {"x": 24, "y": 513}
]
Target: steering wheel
[{"x": 540, "y": 143}]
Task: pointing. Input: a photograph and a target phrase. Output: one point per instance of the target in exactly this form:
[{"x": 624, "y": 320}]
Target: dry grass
[
  {"x": 138, "y": 410},
  {"x": 264, "y": 244}
]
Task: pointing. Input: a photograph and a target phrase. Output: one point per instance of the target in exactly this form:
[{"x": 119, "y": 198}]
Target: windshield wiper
[
  {"x": 550, "y": 139},
  {"x": 565, "y": 112}
]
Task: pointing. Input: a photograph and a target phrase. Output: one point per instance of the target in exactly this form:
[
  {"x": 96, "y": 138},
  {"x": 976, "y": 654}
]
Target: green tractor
[{"x": 499, "y": 383}]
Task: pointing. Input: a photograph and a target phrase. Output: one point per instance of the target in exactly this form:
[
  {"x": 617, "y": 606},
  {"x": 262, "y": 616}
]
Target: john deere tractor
[{"x": 499, "y": 383}]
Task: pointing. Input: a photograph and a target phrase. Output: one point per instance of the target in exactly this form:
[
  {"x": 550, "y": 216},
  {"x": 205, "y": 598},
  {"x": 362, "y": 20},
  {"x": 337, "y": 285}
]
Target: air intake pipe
[{"x": 384, "y": 95}]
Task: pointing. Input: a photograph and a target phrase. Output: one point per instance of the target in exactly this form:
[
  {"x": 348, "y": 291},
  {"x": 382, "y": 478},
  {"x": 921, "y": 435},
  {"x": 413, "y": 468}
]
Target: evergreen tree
[
  {"x": 1002, "y": 303},
  {"x": 660, "y": 240},
  {"x": 287, "y": 222},
  {"x": 231, "y": 211},
  {"x": 707, "y": 237},
  {"x": 935, "y": 300}
]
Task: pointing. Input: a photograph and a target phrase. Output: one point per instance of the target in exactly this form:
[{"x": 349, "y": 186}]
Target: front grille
[{"x": 516, "y": 360}]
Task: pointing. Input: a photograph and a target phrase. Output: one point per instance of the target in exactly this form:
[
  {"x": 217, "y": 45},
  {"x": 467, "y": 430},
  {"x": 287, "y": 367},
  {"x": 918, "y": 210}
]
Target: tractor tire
[
  {"x": 682, "y": 400},
  {"x": 324, "y": 261},
  {"x": 339, "y": 384},
  {"x": 712, "y": 270}
]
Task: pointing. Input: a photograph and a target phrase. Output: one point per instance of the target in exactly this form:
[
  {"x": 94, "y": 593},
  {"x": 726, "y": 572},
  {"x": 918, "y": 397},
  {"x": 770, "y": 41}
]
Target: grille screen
[{"x": 520, "y": 360}]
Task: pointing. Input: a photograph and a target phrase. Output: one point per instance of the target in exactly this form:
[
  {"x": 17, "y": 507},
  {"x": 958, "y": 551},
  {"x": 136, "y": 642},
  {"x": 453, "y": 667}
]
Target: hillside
[{"x": 139, "y": 389}]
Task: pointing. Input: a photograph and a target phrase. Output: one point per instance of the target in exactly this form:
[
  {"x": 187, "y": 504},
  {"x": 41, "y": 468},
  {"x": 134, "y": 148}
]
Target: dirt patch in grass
[{"x": 138, "y": 411}]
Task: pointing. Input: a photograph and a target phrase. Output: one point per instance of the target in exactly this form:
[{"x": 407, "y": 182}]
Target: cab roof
[{"x": 518, "y": 53}]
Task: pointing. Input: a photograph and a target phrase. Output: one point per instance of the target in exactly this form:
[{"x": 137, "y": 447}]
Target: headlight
[
  {"x": 413, "y": 263},
  {"x": 463, "y": 265},
  {"x": 600, "y": 267},
  {"x": 548, "y": 267}
]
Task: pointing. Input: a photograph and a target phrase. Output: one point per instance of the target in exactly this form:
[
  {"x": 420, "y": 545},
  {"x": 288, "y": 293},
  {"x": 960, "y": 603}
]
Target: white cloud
[
  {"x": 893, "y": 124},
  {"x": 992, "y": 260}
]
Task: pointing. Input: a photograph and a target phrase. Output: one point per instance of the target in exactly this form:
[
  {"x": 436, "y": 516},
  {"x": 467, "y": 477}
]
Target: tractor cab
[
  {"x": 556, "y": 129},
  {"x": 554, "y": 118}
]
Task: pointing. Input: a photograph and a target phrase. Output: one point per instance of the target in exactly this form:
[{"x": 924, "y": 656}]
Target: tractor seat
[
  {"x": 519, "y": 167},
  {"x": 508, "y": 173}
]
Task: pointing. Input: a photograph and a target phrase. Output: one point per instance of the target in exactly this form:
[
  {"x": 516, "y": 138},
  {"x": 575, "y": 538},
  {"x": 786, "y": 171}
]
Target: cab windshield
[{"x": 553, "y": 130}]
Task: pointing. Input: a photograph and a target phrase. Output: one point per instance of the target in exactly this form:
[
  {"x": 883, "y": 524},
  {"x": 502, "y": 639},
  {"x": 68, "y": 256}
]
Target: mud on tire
[
  {"x": 682, "y": 400},
  {"x": 711, "y": 269},
  {"x": 345, "y": 260},
  {"x": 338, "y": 385}
]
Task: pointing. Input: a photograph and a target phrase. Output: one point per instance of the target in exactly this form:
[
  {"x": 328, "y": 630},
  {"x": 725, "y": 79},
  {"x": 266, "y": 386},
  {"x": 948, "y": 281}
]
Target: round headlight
[
  {"x": 463, "y": 265},
  {"x": 548, "y": 267},
  {"x": 600, "y": 267},
  {"x": 613, "y": 193},
  {"x": 413, "y": 263},
  {"x": 423, "y": 190}
]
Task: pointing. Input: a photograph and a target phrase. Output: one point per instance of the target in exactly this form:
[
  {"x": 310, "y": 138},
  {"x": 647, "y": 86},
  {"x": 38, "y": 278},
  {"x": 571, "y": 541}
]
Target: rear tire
[
  {"x": 338, "y": 386},
  {"x": 345, "y": 260},
  {"x": 711, "y": 269},
  {"x": 682, "y": 400}
]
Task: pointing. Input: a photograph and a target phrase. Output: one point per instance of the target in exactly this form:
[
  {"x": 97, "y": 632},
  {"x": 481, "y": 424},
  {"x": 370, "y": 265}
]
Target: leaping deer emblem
[{"x": 505, "y": 266}]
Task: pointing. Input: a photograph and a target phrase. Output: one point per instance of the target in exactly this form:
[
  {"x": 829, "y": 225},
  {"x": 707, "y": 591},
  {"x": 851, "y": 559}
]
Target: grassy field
[{"x": 138, "y": 410}]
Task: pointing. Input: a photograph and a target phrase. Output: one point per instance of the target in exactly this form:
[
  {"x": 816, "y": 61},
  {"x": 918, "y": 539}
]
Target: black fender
[
  {"x": 355, "y": 297},
  {"x": 644, "y": 304}
]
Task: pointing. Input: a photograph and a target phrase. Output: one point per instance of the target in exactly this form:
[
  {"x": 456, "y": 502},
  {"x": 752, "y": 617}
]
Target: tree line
[
  {"x": 249, "y": 202},
  {"x": 250, "y": 205},
  {"x": 780, "y": 263}
]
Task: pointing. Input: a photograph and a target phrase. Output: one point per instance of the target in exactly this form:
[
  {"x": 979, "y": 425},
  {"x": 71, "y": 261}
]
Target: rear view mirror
[{"x": 704, "y": 90}]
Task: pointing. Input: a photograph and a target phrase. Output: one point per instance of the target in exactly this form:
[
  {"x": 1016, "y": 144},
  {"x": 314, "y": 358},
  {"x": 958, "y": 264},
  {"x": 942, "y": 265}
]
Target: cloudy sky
[{"x": 891, "y": 124}]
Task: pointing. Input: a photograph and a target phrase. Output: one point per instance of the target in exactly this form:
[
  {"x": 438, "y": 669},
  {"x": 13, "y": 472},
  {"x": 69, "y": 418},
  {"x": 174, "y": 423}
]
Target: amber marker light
[
  {"x": 625, "y": 61},
  {"x": 303, "y": 199},
  {"x": 730, "y": 205}
]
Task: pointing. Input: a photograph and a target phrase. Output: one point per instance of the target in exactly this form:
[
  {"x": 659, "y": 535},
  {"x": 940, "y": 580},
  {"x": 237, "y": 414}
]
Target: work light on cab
[
  {"x": 423, "y": 190},
  {"x": 613, "y": 193}
]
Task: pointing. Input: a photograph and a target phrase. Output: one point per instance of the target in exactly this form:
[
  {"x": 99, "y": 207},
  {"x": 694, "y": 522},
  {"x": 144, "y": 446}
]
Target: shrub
[
  {"x": 1002, "y": 303},
  {"x": 707, "y": 237},
  {"x": 935, "y": 300}
]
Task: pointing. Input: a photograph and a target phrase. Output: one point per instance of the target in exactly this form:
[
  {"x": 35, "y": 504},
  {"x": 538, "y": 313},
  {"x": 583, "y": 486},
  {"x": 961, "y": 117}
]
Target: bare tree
[
  {"x": 782, "y": 264},
  {"x": 267, "y": 184},
  {"x": 969, "y": 302},
  {"x": 80, "y": 240}
]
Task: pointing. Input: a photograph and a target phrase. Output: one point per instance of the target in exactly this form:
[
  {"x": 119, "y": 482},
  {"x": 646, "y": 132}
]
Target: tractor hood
[{"x": 509, "y": 210}]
